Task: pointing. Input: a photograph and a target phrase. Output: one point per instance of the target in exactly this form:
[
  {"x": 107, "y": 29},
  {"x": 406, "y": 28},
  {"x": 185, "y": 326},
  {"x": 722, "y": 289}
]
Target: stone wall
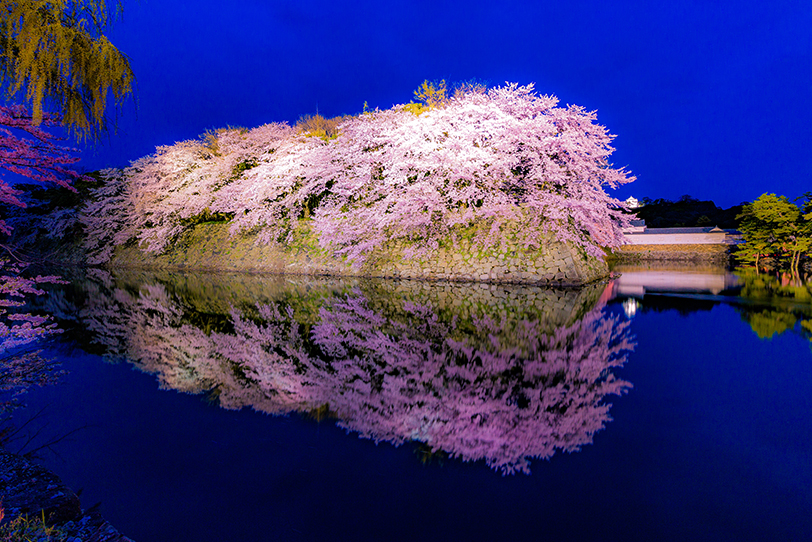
[
  {"x": 718, "y": 253},
  {"x": 209, "y": 246}
]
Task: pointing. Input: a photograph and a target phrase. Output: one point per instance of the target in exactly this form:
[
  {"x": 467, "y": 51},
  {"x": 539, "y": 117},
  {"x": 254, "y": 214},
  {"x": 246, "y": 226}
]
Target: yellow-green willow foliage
[{"x": 55, "y": 51}]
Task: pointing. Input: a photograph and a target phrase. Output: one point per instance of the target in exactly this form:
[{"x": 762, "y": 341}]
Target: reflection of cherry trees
[
  {"x": 22, "y": 367},
  {"x": 21, "y": 372},
  {"x": 16, "y": 327},
  {"x": 271, "y": 357},
  {"x": 502, "y": 390},
  {"x": 503, "y": 404}
]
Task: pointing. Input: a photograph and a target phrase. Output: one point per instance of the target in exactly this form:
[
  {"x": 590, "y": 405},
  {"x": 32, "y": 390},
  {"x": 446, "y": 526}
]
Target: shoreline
[
  {"x": 716, "y": 253},
  {"x": 210, "y": 247},
  {"x": 30, "y": 490}
]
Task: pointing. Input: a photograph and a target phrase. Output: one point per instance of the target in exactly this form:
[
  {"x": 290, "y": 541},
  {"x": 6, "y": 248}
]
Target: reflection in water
[
  {"x": 638, "y": 280},
  {"x": 19, "y": 372},
  {"x": 498, "y": 373},
  {"x": 630, "y": 306},
  {"x": 778, "y": 303},
  {"x": 770, "y": 304}
]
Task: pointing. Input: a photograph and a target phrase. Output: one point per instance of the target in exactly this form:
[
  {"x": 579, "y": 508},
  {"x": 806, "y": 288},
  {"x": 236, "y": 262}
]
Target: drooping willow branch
[{"x": 55, "y": 52}]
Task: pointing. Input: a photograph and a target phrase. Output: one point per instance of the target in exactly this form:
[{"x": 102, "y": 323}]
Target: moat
[{"x": 666, "y": 404}]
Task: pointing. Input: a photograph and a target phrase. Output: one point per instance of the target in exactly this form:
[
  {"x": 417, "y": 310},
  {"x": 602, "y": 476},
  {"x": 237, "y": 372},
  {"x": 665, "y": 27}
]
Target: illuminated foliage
[
  {"x": 432, "y": 94},
  {"x": 429, "y": 95},
  {"x": 318, "y": 126},
  {"x": 55, "y": 52},
  {"x": 29, "y": 151},
  {"x": 505, "y": 159},
  {"x": 772, "y": 225}
]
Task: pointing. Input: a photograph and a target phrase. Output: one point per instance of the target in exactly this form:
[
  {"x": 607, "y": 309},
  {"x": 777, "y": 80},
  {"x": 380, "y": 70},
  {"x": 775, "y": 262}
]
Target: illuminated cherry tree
[
  {"x": 505, "y": 159},
  {"x": 29, "y": 151},
  {"x": 26, "y": 150},
  {"x": 501, "y": 156}
]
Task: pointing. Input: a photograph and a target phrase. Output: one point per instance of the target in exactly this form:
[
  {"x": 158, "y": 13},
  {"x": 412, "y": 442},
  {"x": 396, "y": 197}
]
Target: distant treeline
[{"x": 687, "y": 211}]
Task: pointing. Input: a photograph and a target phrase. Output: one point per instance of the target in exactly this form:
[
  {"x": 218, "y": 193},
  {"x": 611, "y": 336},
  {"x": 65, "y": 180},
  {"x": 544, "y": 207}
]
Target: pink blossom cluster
[
  {"x": 507, "y": 159},
  {"x": 486, "y": 396},
  {"x": 17, "y": 328},
  {"x": 28, "y": 150},
  {"x": 499, "y": 390}
]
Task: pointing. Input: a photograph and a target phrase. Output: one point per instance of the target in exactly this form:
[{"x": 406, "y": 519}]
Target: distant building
[
  {"x": 632, "y": 202},
  {"x": 639, "y": 234},
  {"x": 638, "y": 280}
]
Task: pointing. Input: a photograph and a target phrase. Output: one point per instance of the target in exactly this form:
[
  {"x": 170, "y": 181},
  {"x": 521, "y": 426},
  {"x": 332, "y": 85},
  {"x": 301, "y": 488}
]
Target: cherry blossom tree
[
  {"x": 50, "y": 52},
  {"x": 506, "y": 160},
  {"x": 502, "y": 156},
  {"x": 31, "y": 152}
]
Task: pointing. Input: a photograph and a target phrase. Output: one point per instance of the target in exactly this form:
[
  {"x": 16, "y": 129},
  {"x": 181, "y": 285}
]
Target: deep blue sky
[{"x": 712, "y": 99}]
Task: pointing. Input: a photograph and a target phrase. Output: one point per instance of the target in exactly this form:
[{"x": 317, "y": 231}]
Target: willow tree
[{"x": 55, "y": 53}]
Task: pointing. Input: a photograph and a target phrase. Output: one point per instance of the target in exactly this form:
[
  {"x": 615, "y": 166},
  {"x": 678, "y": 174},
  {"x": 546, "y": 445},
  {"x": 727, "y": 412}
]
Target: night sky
[{"x": 711, "y": 99}]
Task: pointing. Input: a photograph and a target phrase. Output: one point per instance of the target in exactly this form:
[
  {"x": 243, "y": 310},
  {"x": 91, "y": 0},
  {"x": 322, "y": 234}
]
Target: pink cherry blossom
[
  {"x": 29, "y": 151},
  {"x": 507, "y": 160}
]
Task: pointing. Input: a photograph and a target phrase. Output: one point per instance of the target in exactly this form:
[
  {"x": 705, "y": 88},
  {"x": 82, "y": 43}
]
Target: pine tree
[{"x": 774, "y": 225}]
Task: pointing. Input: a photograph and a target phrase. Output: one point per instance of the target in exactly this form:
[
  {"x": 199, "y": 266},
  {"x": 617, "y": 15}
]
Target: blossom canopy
[{"x": 506, "y": 160}]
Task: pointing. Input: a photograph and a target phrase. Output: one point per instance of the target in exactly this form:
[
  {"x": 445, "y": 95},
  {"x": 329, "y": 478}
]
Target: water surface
[{"x": 666, "y": 405}]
